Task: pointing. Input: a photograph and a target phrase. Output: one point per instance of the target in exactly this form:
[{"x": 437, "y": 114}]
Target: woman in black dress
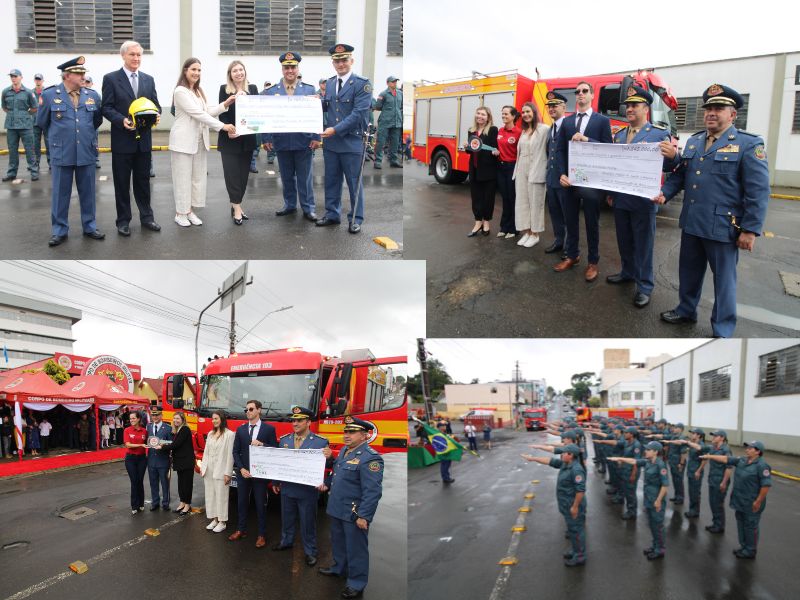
[
  {"x": 482, "y": 169},
  {"x": 183, "y": 462},
  {"x": 236, "y": 153}
]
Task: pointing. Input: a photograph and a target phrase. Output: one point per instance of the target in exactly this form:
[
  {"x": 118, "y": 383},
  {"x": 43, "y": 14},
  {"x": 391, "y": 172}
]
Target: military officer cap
[
  {"x": 155, "y": 410},
  {"x": 664, "y": 421},
  {"x": 290, "y": 58},
  {"x": 300, "y": 412},
  {"x": 572, "y": 449},
  {"x": 569, "y": 435},
  {"x": 679, "y": 425},
  {"x": 721, "y": 432},
  {"x": 654, "y": 446},
  {"x": 38, "y": 76},
  {"x": 323, "y": 80},
  {"x": 15, "y": 73},
  {"x": 555, "y": 98},
  {"x": 391, "y": 78},
  {"x": 698, "y": 431},
  {"x": 637, "y": 95},
  {"x": 722, "y": 95},
  {"x": 755, "y": 444},
  {"x": 74, "y": 65},
  {"x": 631, "y": 430},
  {"x": 341, "y": 51},
  {"x": 353, "y": 424}
]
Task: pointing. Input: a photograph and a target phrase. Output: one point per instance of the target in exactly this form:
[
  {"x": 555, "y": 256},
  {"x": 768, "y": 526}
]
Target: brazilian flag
[{"x": 442, "y": 446}]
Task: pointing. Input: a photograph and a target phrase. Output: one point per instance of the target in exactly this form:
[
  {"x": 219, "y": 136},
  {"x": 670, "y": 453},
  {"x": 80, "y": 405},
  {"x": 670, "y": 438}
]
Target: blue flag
[{"x": 5, "y": 353}]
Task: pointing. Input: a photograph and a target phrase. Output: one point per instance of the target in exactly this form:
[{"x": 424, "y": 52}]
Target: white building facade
[
  {"x": 748, "y": 387},
  {"x": 631, "y": 394},
  {"x": 32, "y": 330}
]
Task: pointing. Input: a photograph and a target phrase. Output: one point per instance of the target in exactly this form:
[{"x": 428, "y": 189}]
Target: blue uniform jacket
[
  {"x": 297, "y": 490},
  {"x": 730, "y": 180},
  {"x": 598, "y": 129},
  {"x": 571, "y": 481},
  {"x": 241, "y": 443},
  {"x": 553, "y": 174},
  {"x": 290, "y": 141},
  {"x": 649, "y": 133},
  {"x": 655, "y": 477},
  {"x": 159, "y": 458},
  {"x": 359, "y": 480},
  {"x": 70, "y": 131},
  {"x": 748, "y": 479},
  {"x": 348, "y": 113}
]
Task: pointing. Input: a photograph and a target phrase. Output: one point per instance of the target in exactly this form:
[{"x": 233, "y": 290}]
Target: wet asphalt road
[
  {"x": 457, "y": 535},
  {"x": 185, "y": 560},
  {"x": 25, "y": 219},
  {"x": 490, "y": 287}
]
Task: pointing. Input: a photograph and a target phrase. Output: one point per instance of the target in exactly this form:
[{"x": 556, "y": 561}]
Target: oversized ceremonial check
[
  {"x": 278, "y": 114},
  {"x": 286, "y": 464},
  {"x": 628, "y": 168}
]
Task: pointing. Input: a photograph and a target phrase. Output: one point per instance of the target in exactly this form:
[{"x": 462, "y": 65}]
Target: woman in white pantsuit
[
  {"x": 188, "y": 142},
  {"x": 217, "y": 470},
  {"x": 529, "y": 176}
]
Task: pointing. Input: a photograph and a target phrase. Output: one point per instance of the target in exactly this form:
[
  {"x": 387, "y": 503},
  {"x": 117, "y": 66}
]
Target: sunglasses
[
  {"x": 247, "y": 410},
  {"x": 583, "y": 91}
]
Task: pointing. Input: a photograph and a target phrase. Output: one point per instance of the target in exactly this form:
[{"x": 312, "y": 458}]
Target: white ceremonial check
[
  {"x": 278, "y": 114},
  {"x": 628, "y": 168},
  {"x": 286, "y": 464}
]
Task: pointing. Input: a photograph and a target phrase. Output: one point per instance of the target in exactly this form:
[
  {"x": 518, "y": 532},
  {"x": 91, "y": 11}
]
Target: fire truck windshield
[
  {"x": 277, "y": 393},
  {"x": 661, "y": 114}
]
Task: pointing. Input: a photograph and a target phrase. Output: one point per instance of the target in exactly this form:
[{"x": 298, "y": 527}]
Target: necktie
[
  {"x": 710, "y": 141},
  {"x": 135, "y": 84},
  {"x": 580, "y": 120},
  {"x": 555, "y": 131},
  {"x": 251, "y": 432},
  {"x": 74, "y": 95},
  {"x": 631, "y": 134},
  {"x": 339, "y": 89}
]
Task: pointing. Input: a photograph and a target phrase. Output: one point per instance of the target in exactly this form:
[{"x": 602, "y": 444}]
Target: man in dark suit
[
  {"x": 583, "y": 126},
  {"x": 252, "y": 433},
  {"x": 158, "y": 460},
  {"x": 129, "y": 155}
]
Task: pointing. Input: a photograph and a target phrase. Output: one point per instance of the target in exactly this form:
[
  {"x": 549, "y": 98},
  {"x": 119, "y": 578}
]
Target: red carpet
[{"x": 37, "y": 465}]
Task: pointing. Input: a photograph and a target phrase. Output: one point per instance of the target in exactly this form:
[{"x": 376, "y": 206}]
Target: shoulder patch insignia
[
  {"x": 663, "y": 471},
  {"x": 760, "y": 153},
  {"x": 765, "y": 473},
  {"x": 368, "y": 88},
  {"x": 374, "y": 466},
  {"x": 578, "y": 478}
]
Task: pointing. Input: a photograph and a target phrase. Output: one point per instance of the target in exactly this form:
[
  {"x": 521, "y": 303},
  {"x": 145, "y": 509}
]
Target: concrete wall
[{"x": 645, "y": 387}]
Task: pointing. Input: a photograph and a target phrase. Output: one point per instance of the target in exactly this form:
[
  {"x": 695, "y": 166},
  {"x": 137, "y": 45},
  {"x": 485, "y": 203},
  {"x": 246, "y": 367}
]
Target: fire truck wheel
[{"x": 443, "y": 169}]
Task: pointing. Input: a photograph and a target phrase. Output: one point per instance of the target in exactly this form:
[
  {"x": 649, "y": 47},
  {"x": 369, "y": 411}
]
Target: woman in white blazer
[
  {"x": 188, "y": 142},
  {"x": 216, "y": 468},
  {"x": 529, "y": 175}
]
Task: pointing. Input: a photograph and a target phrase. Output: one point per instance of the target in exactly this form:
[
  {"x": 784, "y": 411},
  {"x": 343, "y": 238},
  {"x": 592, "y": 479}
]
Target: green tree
[
  {"x": 437, "y": 378},
  {"x": 550, "y": 392},
  {"x": 594, "y": 402},
  {"x": 581, "y": 384}
]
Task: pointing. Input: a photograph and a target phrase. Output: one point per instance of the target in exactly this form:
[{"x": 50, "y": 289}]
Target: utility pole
[
  {"x": 422, "y": 357},
  {"x": 232, "y": 333}
]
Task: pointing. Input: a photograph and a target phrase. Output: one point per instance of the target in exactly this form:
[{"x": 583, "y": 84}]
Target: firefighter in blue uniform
[
  {"x": 695, "y": 469},
  {"x": 69, "y": 114},
  {"x": 676, "y": 457},
  {"x": 348, "y": 98},
  {"x": 571, "y": 498},
  {"x": 725, "y": 178},
  {"x": 298, "y": 500},
  {"x": 556, "y": 107},
  {"x": 718, "y": 481},
  {"x": 752, "y": 479},
  {"x": 635, "y": 216},
  {"x": 294, "y": 150},
  {"x": 356, "y": 485}
]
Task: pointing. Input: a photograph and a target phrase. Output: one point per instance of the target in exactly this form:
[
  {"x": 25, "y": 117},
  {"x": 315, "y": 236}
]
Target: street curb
[{"x": 786, "y": 476}]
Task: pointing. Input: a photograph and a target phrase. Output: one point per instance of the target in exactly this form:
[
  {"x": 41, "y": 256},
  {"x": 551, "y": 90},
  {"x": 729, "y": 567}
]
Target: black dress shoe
[
  {"x": 237, "y": 221},
  {"x": 310, "y": 217},
  {"x": 473, "y": 233},
  {"x": 617, "y": 278},
  {"x": 95, "y": 235},
  {"x": 154, "y": 508},
  {"x": 278, "y": 547},
  {"x": 328, "y": 571},
  {"x": 486, "y": 231},
  {"x": 554, "y": 247},
  {"x": 152, "y": 226},
  {"x": 673, "y": 318},
  {"x": 9, "y": 178},
  {"x": 377, "y": 165},
  {"x": 56, "y": 240},
  {"x": 640, "y": 300},
  {"x": 285, "y": 211},
  {"x": 311, "y": 560},
  {"x": 354, "y": 228},
  {"x": 349, "y": 592},
  {"x": 124, "y": 230},
  {"x": 325, "y": 221},
  {"x": 396, "y": 165}
]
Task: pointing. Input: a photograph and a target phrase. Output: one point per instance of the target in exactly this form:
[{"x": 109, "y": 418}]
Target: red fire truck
[
  {"x": 535, "y": 418},
  {"x": 443, "y": 112},
  {"x": 356, "y": 383}
]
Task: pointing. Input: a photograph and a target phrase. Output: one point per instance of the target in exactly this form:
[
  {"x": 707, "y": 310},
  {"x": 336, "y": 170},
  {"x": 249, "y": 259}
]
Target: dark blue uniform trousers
[
  {"x": 636, "y": 232},
  {"x": 159, "y": 476},
  {"x": 677, "y": 480},
  {"x": 590, "y": 199},
  {"x": 306, "y": 510},
  {"x": 444, "y": 469},
  {"x": 350, "y": 552},
  {"x": 696, "y": 253},
  {"x": 555, "y": 206},
  {"x": 695, "y": 488},
  {"x": 655, "y": 518},
  {"x": 296, "y": 178},
  {"x": 259, "y": 489},
  {"x": 716, "y": 502},
  {"x": 62, "y": 190},
  {"x": 347, "y": 165},
  {"x": 629, "y": 491},
  {"x": 747, "y": 522},
  {"x": 576, "y": 530}
]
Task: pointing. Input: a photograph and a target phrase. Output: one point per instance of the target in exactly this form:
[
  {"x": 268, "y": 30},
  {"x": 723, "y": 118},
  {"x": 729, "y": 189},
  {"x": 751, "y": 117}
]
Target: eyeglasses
[
  {"x": 582, "y": 91},
  {"x": 247, "y": 410}
]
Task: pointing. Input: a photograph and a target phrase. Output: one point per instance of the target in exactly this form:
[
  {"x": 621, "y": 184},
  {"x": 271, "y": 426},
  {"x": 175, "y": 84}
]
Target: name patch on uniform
[
  {"x": 374, "y": 466},
  {"x": 354, "y": 461},
  {"x": 57, "y": 100},
  {"x": 90, "y": 101},
  {"x": 760, "y": 153}
]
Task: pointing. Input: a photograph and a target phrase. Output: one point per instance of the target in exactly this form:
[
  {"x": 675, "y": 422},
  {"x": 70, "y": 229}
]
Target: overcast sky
[
  {"x": 554, "y": 360},
  {"x": 448, "y": 39},
  {"x": 337, "y": 305}
]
